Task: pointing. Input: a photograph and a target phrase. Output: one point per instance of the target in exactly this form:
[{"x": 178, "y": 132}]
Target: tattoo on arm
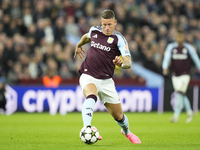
[{"x": 126, "y": 62}]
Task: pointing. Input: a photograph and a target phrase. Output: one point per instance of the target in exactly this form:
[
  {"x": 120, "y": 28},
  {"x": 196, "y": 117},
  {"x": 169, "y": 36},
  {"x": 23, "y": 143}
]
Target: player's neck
[{"x": 180, "y": 44}]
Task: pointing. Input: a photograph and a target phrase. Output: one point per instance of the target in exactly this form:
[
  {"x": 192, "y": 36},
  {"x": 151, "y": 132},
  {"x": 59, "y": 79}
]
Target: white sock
[
  {"x": 124, "y": 124},
  {"x": 87, "y": 110},
  {"x": 178, "y": 105},
  {"x": 187, "y": 105}
]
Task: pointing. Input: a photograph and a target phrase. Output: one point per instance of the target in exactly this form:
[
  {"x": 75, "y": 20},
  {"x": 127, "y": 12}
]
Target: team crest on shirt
[
  {"x": 184, "y": 51},
  {"x": 110, "y": 40}
]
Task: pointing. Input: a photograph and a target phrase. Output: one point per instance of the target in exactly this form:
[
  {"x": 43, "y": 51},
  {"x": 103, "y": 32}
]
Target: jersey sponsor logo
[
  {"x": 110, "y": 40},
  {"x": 99, "y": 46},
  {"x": 94, "y": 36},
  {"x": 179, "y": 56}
]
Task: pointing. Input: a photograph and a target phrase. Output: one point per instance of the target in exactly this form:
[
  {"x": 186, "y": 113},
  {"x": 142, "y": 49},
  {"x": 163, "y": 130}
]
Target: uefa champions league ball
[{"x": 89, "y": 134}]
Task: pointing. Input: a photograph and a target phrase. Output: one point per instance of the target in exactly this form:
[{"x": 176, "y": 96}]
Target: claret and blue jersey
[
  {"x": 102, "y": 51},
  {"x": 180, "y": 58}
]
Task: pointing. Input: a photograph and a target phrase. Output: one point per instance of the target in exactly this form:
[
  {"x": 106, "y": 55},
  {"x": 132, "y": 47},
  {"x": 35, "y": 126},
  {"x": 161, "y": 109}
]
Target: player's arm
[
  {"x": 166, "y": 60},
  {"x": 79, "y": 50},
  {"x": 125, "y": 63},
  {"x": 194, "y": 56}
]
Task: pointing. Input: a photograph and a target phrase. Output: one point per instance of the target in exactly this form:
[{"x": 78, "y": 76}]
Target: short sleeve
[
  {"x": 123, "y": 46},
  {"x": 90, "y": 31}
]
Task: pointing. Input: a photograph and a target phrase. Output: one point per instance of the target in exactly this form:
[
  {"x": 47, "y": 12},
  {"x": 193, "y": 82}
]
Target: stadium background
[{"x": 38, "y": 38}]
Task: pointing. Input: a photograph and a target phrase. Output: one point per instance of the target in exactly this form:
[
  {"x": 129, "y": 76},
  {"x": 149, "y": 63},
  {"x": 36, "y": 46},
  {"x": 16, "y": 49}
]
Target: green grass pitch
[{"x": 41, "y": 131}]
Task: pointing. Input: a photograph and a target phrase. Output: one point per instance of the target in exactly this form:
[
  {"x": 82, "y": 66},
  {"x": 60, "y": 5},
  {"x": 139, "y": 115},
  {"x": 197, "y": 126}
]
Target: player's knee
[
  {"x": 90, "y": 89},
  {"x": 93, "y": 96},
  {"x": 119, "y": 118}
]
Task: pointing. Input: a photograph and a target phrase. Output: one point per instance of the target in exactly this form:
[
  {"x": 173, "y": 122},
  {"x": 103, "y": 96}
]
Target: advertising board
[{"x": 70, "y": 98}]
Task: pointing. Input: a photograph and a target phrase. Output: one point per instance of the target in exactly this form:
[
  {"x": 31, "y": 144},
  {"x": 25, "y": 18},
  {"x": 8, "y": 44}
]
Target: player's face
[
  {"x": 108, "y": 26},
  {"x": 180, "y": 37}
]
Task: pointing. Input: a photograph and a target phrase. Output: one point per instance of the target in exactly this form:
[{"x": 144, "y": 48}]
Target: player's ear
[{"x": 115, "y": 22}]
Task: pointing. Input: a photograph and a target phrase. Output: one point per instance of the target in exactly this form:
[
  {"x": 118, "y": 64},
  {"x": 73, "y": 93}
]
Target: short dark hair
[{"x": 108, "y": 14}]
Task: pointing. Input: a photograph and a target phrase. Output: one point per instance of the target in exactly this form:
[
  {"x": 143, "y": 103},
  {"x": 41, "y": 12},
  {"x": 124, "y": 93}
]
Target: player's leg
[
  {"x": 188, "y": 108},
  {"x": 116, "y": 111},
  {"x": 186, "y": 102},
  {"x": 110, "y": 98},
  {"x": 177, "y": 84},
  {"x": 180, "y": 85},
  {"x": 178, "y": 106},
  {"x": 90, "y": 92},
  {"x": 187, "y": 105}
]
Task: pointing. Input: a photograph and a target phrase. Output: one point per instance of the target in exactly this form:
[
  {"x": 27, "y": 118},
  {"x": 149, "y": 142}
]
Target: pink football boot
[{"x": 132, "y": 137}]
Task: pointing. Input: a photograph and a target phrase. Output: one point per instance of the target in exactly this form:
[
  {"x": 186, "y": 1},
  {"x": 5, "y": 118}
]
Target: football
[{"x": 89, "y": 134}]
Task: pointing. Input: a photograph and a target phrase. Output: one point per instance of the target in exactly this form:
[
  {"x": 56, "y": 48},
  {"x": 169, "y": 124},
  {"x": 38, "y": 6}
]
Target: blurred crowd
[{"x": 34, "y": 34}]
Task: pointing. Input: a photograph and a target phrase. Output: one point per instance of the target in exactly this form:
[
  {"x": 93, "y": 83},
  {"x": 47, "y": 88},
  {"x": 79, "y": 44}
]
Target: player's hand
[
  {"x": 118, "y": 61},
  {"x": 165, "y": 72},
  {"x": 80, "y": 52}
]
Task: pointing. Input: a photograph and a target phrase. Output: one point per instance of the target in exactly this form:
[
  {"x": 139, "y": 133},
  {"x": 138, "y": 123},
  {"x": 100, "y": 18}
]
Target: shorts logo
[{"x": 110, "y": 40}]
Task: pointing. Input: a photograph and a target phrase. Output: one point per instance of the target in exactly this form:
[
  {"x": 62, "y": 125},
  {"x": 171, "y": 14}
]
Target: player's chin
[{"x": 107, "y": 34}]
